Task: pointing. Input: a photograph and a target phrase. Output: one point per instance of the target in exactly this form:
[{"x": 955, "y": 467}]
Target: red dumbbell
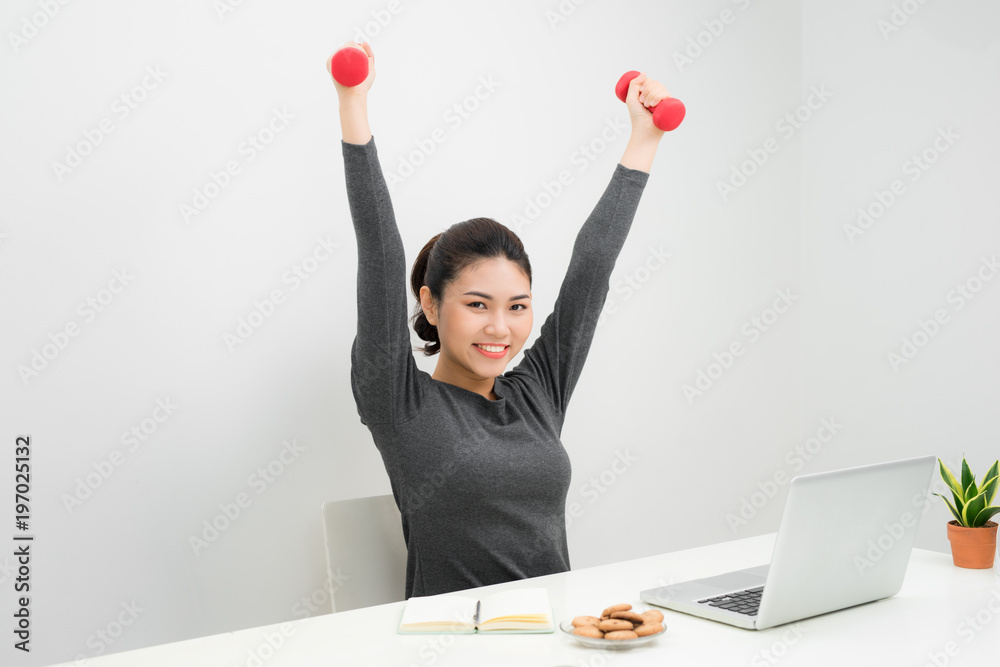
[
  {"x": 667, "y": 115},
  {"x": 349, "y": 66}
]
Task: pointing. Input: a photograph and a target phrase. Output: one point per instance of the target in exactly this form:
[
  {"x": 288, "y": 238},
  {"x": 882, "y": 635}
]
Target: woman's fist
[
  {"x": 644, "y": 93},
  {"x": 360, "y": 90}
]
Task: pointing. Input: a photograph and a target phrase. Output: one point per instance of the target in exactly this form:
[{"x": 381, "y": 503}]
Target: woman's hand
[
  {"x": 644, "y": 93},
  {"x": 361, "y": 90}
]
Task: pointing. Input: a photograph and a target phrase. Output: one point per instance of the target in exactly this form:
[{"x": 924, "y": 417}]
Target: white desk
[{"x": 935, "y": 613}]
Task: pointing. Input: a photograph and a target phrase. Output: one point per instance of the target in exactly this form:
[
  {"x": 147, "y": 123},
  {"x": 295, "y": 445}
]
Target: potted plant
[{"x": 972, "y": 535}]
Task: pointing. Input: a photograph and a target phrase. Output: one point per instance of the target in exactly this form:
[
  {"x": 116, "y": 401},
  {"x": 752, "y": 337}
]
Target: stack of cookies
[{"x": 619, "y": 622}]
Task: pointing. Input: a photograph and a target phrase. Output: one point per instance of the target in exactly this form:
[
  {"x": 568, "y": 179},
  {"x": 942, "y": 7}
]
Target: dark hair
[{"x": 447, "y": 254}]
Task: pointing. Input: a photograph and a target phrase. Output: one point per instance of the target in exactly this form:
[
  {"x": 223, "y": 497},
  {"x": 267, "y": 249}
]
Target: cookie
[
  {"x": 612, "y": 624},
  {"x": 630, "y": 616},
  {"x": 647, "y": 629},
  {"x": 620, "y": 634},
  {"x": 653, "y": 616},
  {"x": 588, "y": 631},
  {"x": 625, "y": 606},
  {"x": 581, "y": 621}
]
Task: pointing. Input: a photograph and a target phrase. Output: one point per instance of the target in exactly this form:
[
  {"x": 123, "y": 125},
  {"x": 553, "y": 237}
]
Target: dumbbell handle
[
  {"x": 667, "y": 114},
  {"x": 349, "y": 66}
]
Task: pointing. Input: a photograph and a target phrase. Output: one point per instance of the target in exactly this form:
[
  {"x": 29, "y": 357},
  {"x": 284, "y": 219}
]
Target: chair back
[{"x": 365, "y": 552}]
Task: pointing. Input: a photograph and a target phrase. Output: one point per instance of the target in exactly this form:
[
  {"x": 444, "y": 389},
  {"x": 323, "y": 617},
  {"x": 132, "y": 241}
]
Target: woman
[{"x": 473, "y": 453}]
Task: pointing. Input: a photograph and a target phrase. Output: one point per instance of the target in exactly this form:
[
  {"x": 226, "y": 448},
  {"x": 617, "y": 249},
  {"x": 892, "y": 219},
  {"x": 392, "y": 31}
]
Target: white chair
[{"x": 364, "y": 541}]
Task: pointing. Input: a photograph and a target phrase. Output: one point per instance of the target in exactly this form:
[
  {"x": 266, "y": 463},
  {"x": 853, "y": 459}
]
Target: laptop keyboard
[{"x": 743, "y": 602}]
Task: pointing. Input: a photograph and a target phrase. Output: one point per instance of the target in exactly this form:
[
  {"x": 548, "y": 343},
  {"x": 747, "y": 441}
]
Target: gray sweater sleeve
[
  {"x": 382, "y": 366},
  {"x": 557, "y": 356}
]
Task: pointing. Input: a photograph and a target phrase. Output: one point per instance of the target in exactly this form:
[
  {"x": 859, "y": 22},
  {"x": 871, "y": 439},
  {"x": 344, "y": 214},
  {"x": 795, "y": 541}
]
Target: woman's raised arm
[
  {"x": 383, "y": 372},
  {"x": 557, "y": 356}
]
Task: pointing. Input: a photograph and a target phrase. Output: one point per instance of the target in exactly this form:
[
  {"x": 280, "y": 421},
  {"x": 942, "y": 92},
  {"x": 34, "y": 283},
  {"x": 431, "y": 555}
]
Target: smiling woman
[
  {"x": 473, "y": 453},
  {"x": 454, "y": 279}
]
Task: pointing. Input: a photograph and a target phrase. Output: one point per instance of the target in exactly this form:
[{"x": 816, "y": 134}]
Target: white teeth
[{"x": 491, "y": 348}]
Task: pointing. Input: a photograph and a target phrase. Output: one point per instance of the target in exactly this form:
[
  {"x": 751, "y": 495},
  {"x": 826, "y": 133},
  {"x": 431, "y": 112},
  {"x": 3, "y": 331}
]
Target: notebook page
[
  {"x": 528, "y": 603},
  {"x": 445, "y": 608}
]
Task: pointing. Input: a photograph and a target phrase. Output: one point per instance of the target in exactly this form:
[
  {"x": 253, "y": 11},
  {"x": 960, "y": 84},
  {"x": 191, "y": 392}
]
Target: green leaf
[
  {"x": 972, "y": 509},
  {"x": 971, "y": 491},
  {"x": 967, "y": 477},
  {"x": 958, "y": 516},
  {"x": 994, "y": 471},
  {"x": 952, "y": 483},
  {"x": 985, "y": 515},
  {"x": 989, "y": 487},
  {"x": 959, "y": 503}
]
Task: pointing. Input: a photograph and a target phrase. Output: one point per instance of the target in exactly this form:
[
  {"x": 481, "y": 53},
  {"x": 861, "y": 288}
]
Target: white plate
[{"x": 567, "y": 627}]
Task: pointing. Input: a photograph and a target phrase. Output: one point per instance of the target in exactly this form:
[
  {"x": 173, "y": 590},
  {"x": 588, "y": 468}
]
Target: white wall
[
  {"x": 911, "y": 139},
  {"x": 695, "y": 458}
]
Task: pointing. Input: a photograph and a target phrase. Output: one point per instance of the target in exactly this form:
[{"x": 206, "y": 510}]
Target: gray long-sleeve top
[{"x": 481, "y": 484}]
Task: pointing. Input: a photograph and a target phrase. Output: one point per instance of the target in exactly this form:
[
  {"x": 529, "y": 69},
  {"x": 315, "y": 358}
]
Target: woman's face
[{"x": 489, "y": 304}]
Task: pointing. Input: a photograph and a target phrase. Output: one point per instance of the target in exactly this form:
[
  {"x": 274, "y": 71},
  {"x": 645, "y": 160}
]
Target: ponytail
[{"x": 424, "y": 329}]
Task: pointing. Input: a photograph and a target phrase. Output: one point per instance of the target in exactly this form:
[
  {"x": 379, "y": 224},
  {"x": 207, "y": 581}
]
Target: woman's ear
[{"x": 427, "y": 305}]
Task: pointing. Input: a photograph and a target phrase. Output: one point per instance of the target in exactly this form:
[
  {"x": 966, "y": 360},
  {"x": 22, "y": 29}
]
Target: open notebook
[{"x": 523, "y": 610}]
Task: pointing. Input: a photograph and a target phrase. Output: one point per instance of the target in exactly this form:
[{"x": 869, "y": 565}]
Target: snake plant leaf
[
  {"x": 958, "y": 517},
  {"x": 993, "y": 472},
  {"x": 994, "y": 469},
  {"x": 972, "y": 510},
  {"x": 959, "y": 503},
  {"x": 952, "y": 483},
  {"x": 967, "y": 477},
  {"x": 989, "y": 487},
  {"x": 971, "y": 491},
  {"x": 985, "y": 515}
]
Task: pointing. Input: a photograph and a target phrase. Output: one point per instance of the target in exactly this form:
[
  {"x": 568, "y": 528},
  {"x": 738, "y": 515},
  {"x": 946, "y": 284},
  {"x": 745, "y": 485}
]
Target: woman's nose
[{"x": 497, "y": 326}]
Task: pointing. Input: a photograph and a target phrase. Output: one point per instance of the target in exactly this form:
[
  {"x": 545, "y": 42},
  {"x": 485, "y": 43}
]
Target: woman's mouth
[{"x": 492, "y": 351}]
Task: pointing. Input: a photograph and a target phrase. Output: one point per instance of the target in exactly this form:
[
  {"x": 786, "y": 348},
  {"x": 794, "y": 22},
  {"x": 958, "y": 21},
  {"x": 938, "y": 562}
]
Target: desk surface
[{"x": 943, "y": 615}]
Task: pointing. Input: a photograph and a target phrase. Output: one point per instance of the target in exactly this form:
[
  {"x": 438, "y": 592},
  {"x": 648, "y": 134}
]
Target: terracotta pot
[{"x": 973, "y": 547}]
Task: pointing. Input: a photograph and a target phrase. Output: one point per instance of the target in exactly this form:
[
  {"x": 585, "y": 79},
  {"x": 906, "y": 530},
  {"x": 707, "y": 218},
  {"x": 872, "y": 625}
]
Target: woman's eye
[{"x": 519, "y": 306}]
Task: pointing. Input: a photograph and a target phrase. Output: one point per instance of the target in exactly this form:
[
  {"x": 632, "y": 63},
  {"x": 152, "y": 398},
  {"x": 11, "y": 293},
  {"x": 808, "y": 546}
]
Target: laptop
[{"x": 844, "y": 539}]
